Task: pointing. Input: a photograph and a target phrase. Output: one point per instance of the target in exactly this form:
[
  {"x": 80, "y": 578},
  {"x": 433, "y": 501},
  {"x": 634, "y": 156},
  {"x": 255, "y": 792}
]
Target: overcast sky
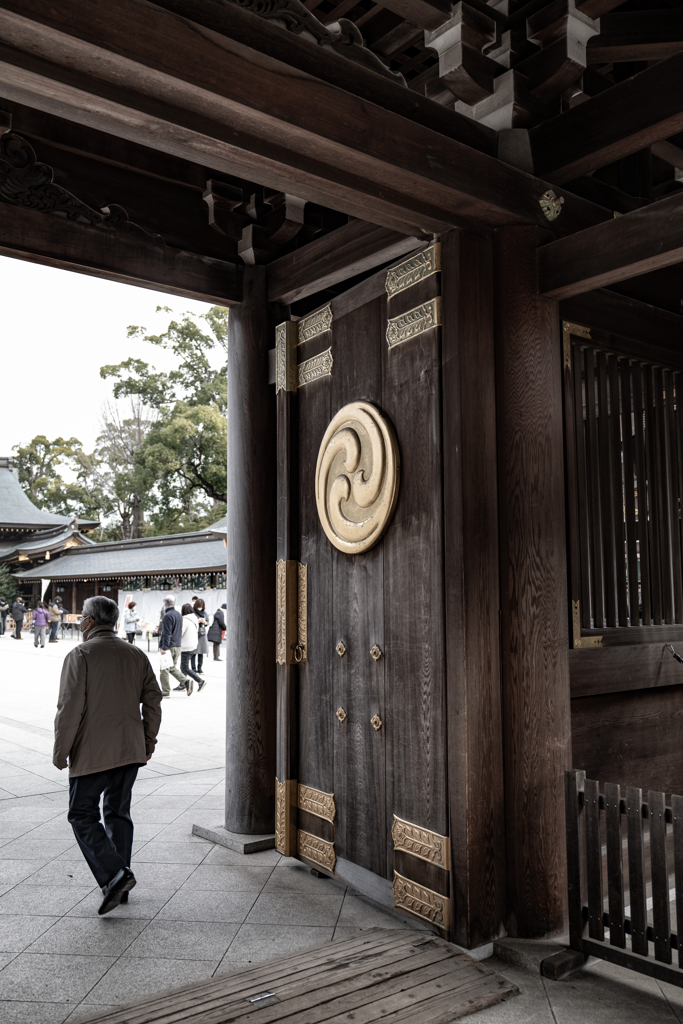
[{"x": 58, "y": 328}]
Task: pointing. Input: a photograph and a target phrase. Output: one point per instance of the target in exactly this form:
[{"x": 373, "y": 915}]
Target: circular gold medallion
[{"x": 357, "y": 477}]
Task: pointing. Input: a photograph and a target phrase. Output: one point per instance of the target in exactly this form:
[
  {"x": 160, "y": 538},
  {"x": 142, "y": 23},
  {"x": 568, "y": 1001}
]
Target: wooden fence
[{"x": 625, "y": 873}]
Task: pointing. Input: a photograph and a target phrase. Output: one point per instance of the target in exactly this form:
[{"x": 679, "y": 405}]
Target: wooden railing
[{"x": 622, "y": 911}]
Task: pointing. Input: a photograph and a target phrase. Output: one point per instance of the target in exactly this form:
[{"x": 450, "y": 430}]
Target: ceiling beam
[
  {"x": 625, "y": 247},
  {"x": 154, "y": 78},
  {"x": 624, "y": 119},
  {"x": 117, "y": 256},
  {"x": 637, "y": 35},
  {"x": 336, "y": 257},
  {"x": 427, "y": 14}
]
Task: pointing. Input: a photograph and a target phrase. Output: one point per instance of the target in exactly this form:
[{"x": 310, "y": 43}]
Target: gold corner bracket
[
  {"x": 422, "y": 902},
  {"x": 286, "y": 796},
  {"x": 567, "y": 330},
  {"x": 286, "y": 340},
  {"x": 579, "y": 642},
  {"x": 291, "y": 645}
]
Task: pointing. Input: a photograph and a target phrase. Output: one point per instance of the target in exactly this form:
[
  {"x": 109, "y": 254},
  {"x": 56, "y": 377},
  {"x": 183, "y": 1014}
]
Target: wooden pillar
[
  {"x": 251, "y": 547},
  {"x": 533, "y": 574},
  {"x": 73, "y": 598},
  {"x": 475, "y": 751}
]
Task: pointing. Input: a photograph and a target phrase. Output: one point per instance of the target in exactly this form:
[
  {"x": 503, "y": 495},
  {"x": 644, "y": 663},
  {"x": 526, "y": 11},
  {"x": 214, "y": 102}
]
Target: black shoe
[
  {"x": 201, "y": 686},
  {"x": 190, "y": 687},
  {"x": 182, "y": 686},
  {"x": 124, "y": 895},
  {"x": 123, "y": 881},
  {"x": 217, "y": 659}
]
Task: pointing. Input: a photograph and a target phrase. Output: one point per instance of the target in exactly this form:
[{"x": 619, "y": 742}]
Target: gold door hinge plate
[
  {"x": 286, "y": 340},
  {"x": 314, "y": 324},
  {"x": 415, "y": 268},
  {"x": 579, "y": 642},
  {"x": 318, "y": 850},
  {"x": 567, "y": 330},
  {"x": 291, "y": 612},
  {"x": 414, "y": 322},
  {"x": 285, "y": 816},
  {"x": 315, "y": 368},
  {"x": 316, "y": 802},
  {"x": 422, "y": 902},
  {"x": 422, "y": 843}
]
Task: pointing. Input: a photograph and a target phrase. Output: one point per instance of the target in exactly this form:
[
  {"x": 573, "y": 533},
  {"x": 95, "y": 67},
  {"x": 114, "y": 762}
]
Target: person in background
[
  {"x": 18, "y": 611},
  {"x": 171, "y": 634},
  {"x": 215, "y": 634},
  {"x": 188, "y": 647},
  {"x": 105, "y": 736},
  {"x": 41, "y": 617},
  {"x": 130, "y": 622},
  {"x": 55, "y": 617},
  {"x": 4, "y": 608},
  {"x": 202, "y": 642}
]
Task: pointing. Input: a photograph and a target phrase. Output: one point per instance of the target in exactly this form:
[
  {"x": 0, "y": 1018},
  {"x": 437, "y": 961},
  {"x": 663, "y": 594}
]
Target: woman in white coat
[
  {"x": 130, "y": 622},
  {"x": 188, "y": 646}
]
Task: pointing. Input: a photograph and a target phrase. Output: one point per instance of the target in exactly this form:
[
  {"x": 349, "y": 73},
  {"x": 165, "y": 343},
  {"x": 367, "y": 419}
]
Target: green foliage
[
  {"x": 40, "y": 464},
  {"x": 8, "y": 585}
]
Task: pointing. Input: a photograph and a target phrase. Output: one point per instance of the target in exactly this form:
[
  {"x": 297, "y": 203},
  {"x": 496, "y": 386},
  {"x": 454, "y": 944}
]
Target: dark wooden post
[
  {"x": 533, "y": 572},
  {"x": 475, "y": 754},
  {"x": 251, "y": 547}
]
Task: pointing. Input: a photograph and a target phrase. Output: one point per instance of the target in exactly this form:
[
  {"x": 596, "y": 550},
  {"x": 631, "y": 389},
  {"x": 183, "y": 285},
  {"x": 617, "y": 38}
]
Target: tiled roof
[
  {"x": 41, "y": 540},
  {"x": 17, "y": 509},
  {"x": 151, "y": 556}
]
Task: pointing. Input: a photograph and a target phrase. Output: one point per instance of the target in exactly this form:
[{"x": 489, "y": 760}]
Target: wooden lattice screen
[{"x": 624, "y": 444}]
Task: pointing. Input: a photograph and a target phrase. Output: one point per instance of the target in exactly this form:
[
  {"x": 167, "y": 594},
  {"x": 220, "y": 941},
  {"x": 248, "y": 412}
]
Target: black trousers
[
  {"x": 18, "y": 623},
  {"x": 107, "y": 848},
  {"x": 3, "y": 620}
]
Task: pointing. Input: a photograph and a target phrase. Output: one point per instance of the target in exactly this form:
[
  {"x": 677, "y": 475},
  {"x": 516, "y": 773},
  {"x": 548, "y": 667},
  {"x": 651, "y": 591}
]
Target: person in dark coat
[
  {"x": 4, "y": 609},
  {"x": 18, "y": 610},
  {"x": 216, "y": 630},
  {"x": 170, "y": 639}
]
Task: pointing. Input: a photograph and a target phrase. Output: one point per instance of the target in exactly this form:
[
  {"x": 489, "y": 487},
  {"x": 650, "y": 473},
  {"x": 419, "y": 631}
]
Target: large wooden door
[{"x": 369, "y": 700}]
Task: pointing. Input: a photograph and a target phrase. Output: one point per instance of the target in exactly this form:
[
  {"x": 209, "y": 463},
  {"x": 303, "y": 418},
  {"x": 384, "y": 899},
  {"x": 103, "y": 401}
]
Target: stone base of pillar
[{"x": 234, "y": 840}]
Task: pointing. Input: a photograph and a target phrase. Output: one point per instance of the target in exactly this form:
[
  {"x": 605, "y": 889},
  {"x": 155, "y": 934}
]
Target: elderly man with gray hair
[
  {"x": 170, "y": 640},
  {"x": 103, "y": 736}
]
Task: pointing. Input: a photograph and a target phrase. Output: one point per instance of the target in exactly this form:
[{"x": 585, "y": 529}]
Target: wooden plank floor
[{"x": 383, "y": 974}]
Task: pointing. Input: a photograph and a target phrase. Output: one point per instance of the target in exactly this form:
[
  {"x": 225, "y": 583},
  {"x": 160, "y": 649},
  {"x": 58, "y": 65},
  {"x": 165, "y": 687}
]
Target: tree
[
  {"x": 128, "y": 482},
  {"x": 185, "y": 449},
  {"x": 8, "y": 585},
  {"x": 40, "y": 465}
]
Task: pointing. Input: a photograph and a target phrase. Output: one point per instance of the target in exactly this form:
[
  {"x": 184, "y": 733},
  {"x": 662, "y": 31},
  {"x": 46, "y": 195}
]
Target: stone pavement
[{"x": 198, "y": 909}]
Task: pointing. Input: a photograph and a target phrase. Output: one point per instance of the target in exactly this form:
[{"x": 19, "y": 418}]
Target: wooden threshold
[{"x": 383, "y": 974}]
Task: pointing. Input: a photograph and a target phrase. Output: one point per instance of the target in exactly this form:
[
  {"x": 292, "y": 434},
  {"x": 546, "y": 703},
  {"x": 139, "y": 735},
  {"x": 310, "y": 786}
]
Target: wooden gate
[{"x": 361, "y": 790}]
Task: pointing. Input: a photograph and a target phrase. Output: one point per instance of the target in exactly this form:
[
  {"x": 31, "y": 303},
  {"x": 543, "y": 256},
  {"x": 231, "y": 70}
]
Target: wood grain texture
[
  {"x": 116, "y": 256},
  {"x": 251, "y": 538},
  {"x": 653, "y": 333},
  {"x": 413, "y": 578},
  {"x": 633, "y": 737},
  {"x": 472, "y": 591},
  {"x": 534, "y": 619},
  {"x": 633, "y": 666},
  {"x": 286, "y": 761}
]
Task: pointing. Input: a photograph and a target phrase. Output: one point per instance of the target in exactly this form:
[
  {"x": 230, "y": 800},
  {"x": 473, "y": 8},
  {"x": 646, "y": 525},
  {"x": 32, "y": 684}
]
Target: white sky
[{"x": 58, "y": 328}]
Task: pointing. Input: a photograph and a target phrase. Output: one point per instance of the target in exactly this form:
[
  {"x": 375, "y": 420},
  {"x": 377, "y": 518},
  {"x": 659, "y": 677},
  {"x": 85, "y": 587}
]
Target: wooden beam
[
  {"x": 152, "y": 77},
  {"x": 428, "y": 14},
  {"x": 624, "y": 119},
  {"x": 656, "y": 330},
  {"x": 335, "y": 257},
  {"x": 117, "y": 256},
  {"x": 637, "y": 35},
  {"x": 627, "y": 246}
]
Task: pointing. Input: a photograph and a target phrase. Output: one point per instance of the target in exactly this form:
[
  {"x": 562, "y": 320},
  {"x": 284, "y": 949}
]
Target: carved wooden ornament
[{"x": 357, "y": 477}]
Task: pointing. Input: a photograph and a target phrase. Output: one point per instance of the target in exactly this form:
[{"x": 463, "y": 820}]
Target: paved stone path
[{"x": 198, "y": 909}]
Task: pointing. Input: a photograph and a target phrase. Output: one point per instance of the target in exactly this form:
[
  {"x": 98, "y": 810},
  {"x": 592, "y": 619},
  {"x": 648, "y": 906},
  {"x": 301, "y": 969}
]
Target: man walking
[
  {"x": 101, "y": 732},
  {"x": 18, "y": 609},
  {"x": 55, "y": 615},
  {"x": 170, "y": 640}
]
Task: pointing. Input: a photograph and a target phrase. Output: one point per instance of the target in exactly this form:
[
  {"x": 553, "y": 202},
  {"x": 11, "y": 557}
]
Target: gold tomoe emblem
[{"x": 357, "y": 477}]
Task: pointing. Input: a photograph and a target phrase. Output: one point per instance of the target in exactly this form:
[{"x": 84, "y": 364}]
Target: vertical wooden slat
[
  {"x": 629, "y": 491},
  {"x": 574, "y": 782},
  {"x": 643, "y": 530},
  {"x": 677, "y": 814},
  {"x": 615, "y": 867},
  {"x": 664, "y": 497},
  {"x": 573, "y": 439},
  {"x": 636, "y": 870},
  {"x": 616, "y": 464},
  {"x": 653, "y": 495},
  {"x": 593, "y": 860},
  {"x": 587, "y": 603},
  {"x": 674, "y": 484},
  {"x": 593, "y": 480},
  {"x": 607, "y": 502},
  {"x": 660, "y": 877},
  {"x": 677, "y": 383}
]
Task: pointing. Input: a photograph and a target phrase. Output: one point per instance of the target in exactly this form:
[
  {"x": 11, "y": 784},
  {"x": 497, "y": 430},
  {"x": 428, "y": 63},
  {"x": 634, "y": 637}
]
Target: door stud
[
  {"x": 341, "y": 648},
  {"x": 376, "y": 723},
  {"x": 375, "y": 653},
  {"x": 341, "y": 714}
]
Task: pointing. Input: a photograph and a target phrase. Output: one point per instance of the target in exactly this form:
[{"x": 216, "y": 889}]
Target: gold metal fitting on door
[
  {"x": 376, "y": 723},
  {"x": 376, "y": 653},
  {"x": 341, "y": 648},
  {"x": 341, "y": 714}
]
